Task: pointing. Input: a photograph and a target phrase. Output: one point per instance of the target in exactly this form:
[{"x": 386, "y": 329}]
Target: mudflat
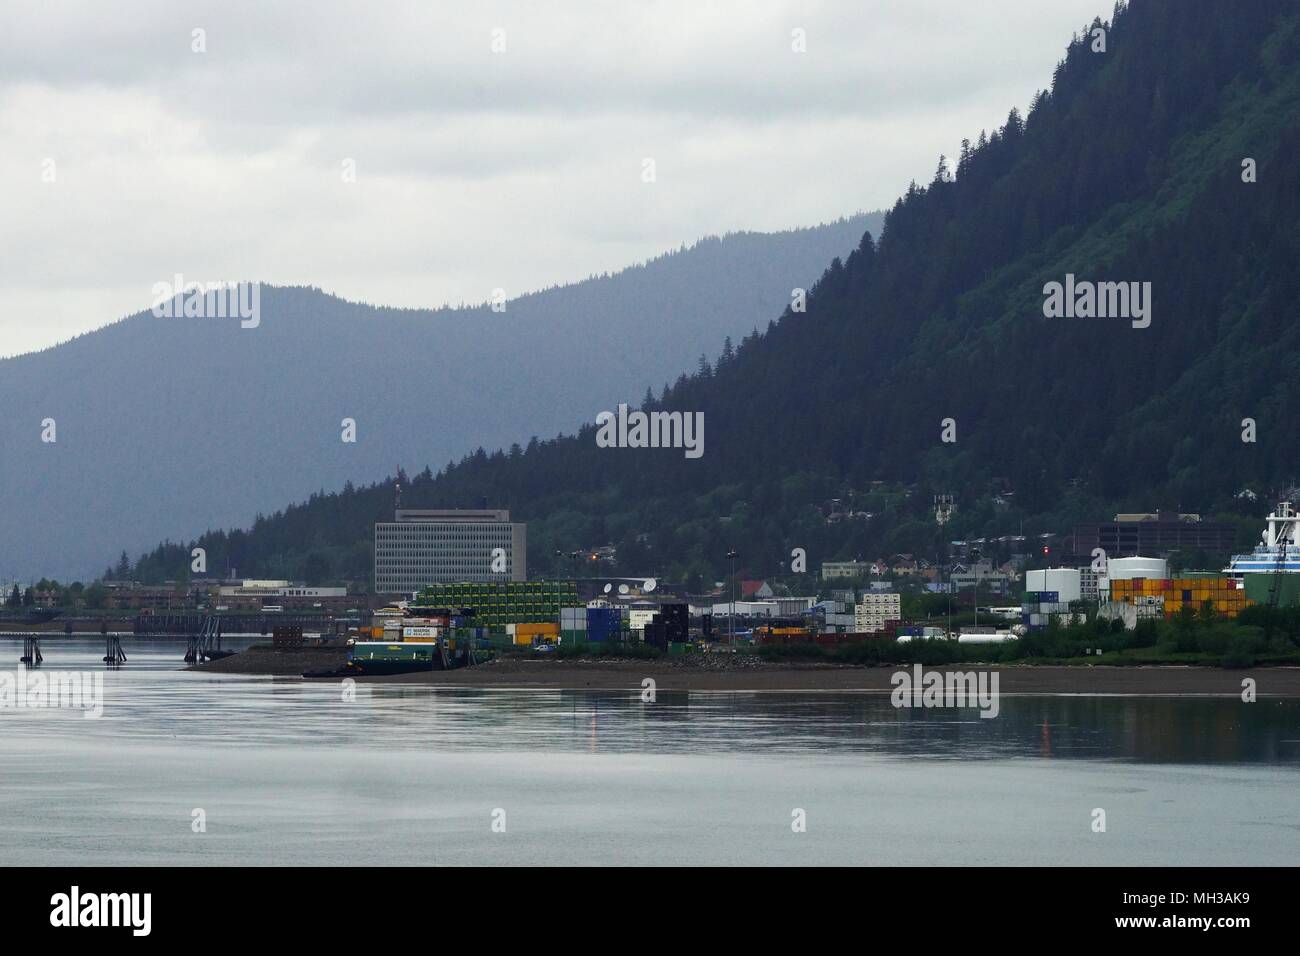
[{"x": 745, "y": 673}]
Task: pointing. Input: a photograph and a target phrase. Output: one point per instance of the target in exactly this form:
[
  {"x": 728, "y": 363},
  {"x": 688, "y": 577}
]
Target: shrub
[{"x": 1239, "y": 654}]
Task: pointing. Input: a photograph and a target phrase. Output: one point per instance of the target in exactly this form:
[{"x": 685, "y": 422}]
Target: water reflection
[{"x": 151, "y": 698}]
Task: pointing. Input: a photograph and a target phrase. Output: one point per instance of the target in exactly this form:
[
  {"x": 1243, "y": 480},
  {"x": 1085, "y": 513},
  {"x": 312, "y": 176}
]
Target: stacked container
[
  {"x": 496, "y": 603},
  {"x": 526, "y": 632},
  {"x": 1037, "y": 608},
  {"x": 604, "y": 624},
  {"x": 677, "y": 619},
  {"x": 1174, "y": 594},
  {"x": 573, "y": 625}
]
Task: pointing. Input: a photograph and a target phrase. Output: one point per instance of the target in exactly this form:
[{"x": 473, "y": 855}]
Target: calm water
[{"x": 288, "y": 772}]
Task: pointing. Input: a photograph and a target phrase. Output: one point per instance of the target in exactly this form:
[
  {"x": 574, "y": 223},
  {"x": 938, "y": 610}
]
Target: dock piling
[
  {"x": 31, "y": 651},
  {"x": 114, "y": 656}
]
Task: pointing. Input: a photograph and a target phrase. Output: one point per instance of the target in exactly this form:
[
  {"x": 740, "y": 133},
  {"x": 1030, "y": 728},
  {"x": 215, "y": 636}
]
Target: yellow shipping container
[{"x": 537, "y": 627}]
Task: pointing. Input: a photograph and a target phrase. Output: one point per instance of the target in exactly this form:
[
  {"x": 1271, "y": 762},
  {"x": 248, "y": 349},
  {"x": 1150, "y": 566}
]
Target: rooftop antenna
[{"x": 398, "y": 485}]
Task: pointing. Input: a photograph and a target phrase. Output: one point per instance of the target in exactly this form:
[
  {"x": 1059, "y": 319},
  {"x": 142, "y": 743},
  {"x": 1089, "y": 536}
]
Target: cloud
[{"x": 475, "y": 170}]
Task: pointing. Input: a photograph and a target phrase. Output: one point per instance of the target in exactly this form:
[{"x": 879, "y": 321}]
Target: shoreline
[{"x": 756, "y": 676}]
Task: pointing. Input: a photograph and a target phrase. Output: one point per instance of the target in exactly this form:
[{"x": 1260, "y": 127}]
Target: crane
[{"x": 1275, "y": 586}]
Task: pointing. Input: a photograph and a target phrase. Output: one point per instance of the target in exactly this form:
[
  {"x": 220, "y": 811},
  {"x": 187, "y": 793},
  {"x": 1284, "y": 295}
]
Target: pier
[{"x": 203, "y": 633}]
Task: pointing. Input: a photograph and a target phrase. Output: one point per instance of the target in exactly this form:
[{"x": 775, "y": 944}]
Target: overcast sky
[{"x": 475, "y": 169}]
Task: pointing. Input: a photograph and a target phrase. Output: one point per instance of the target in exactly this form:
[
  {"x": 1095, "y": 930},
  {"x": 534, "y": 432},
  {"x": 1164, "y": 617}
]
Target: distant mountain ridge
[{"x": 168, "y": 426}]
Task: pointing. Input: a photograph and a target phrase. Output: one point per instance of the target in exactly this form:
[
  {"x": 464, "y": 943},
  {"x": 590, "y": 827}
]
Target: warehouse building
[{"x": 424, "y": 547}]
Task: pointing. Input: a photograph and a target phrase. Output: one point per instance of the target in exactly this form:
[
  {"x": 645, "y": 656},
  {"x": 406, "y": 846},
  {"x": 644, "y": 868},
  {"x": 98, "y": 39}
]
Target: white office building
[{"x": 423, "y": 547}]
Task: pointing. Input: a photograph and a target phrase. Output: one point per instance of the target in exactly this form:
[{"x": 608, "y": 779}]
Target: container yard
[{"x": 498, "y": 603}]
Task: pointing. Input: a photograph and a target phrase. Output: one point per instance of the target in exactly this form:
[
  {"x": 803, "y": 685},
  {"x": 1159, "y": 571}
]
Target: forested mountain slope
[{"x": 1130, "y": 169}]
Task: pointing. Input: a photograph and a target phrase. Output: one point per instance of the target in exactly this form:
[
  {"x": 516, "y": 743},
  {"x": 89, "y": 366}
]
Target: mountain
[
  {"x": 1134, "y": 167},
  {"x": 165, "y": 426}
]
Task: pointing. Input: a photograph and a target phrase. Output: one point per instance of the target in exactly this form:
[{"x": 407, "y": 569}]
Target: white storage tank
[
  {"x": 1065, "y": 581},
  {"x": 997, "y": 637},
  {"x": 1126, "y": 569}
]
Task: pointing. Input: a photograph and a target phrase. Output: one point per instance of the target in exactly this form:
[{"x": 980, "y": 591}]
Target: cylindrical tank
[
  {"x": 1126, "y": 569},
  {"x": 997, "y": 638},
  {"x": 1064, "y": 581}
]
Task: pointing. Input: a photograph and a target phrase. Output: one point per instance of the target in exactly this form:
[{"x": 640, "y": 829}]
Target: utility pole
[
  {"x": 731, "y": 618},
  {"x": 559, "y": 615},
  {"x": 949, "y": 589}
]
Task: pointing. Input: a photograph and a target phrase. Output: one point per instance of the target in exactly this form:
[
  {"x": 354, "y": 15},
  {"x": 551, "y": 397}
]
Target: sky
[{"x": 420, "y": 154}]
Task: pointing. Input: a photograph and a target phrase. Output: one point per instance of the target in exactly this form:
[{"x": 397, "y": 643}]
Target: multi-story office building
[
  {"x": 1153, "y": 534},
  {"x": 424, "y": 547}
]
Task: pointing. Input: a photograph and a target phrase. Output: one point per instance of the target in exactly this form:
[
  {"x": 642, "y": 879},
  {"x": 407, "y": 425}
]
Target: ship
[
  {"x": 404, "y": 643},
  {"x": 382, "y": 657},
  {"x": 1278, "y": 550}
]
